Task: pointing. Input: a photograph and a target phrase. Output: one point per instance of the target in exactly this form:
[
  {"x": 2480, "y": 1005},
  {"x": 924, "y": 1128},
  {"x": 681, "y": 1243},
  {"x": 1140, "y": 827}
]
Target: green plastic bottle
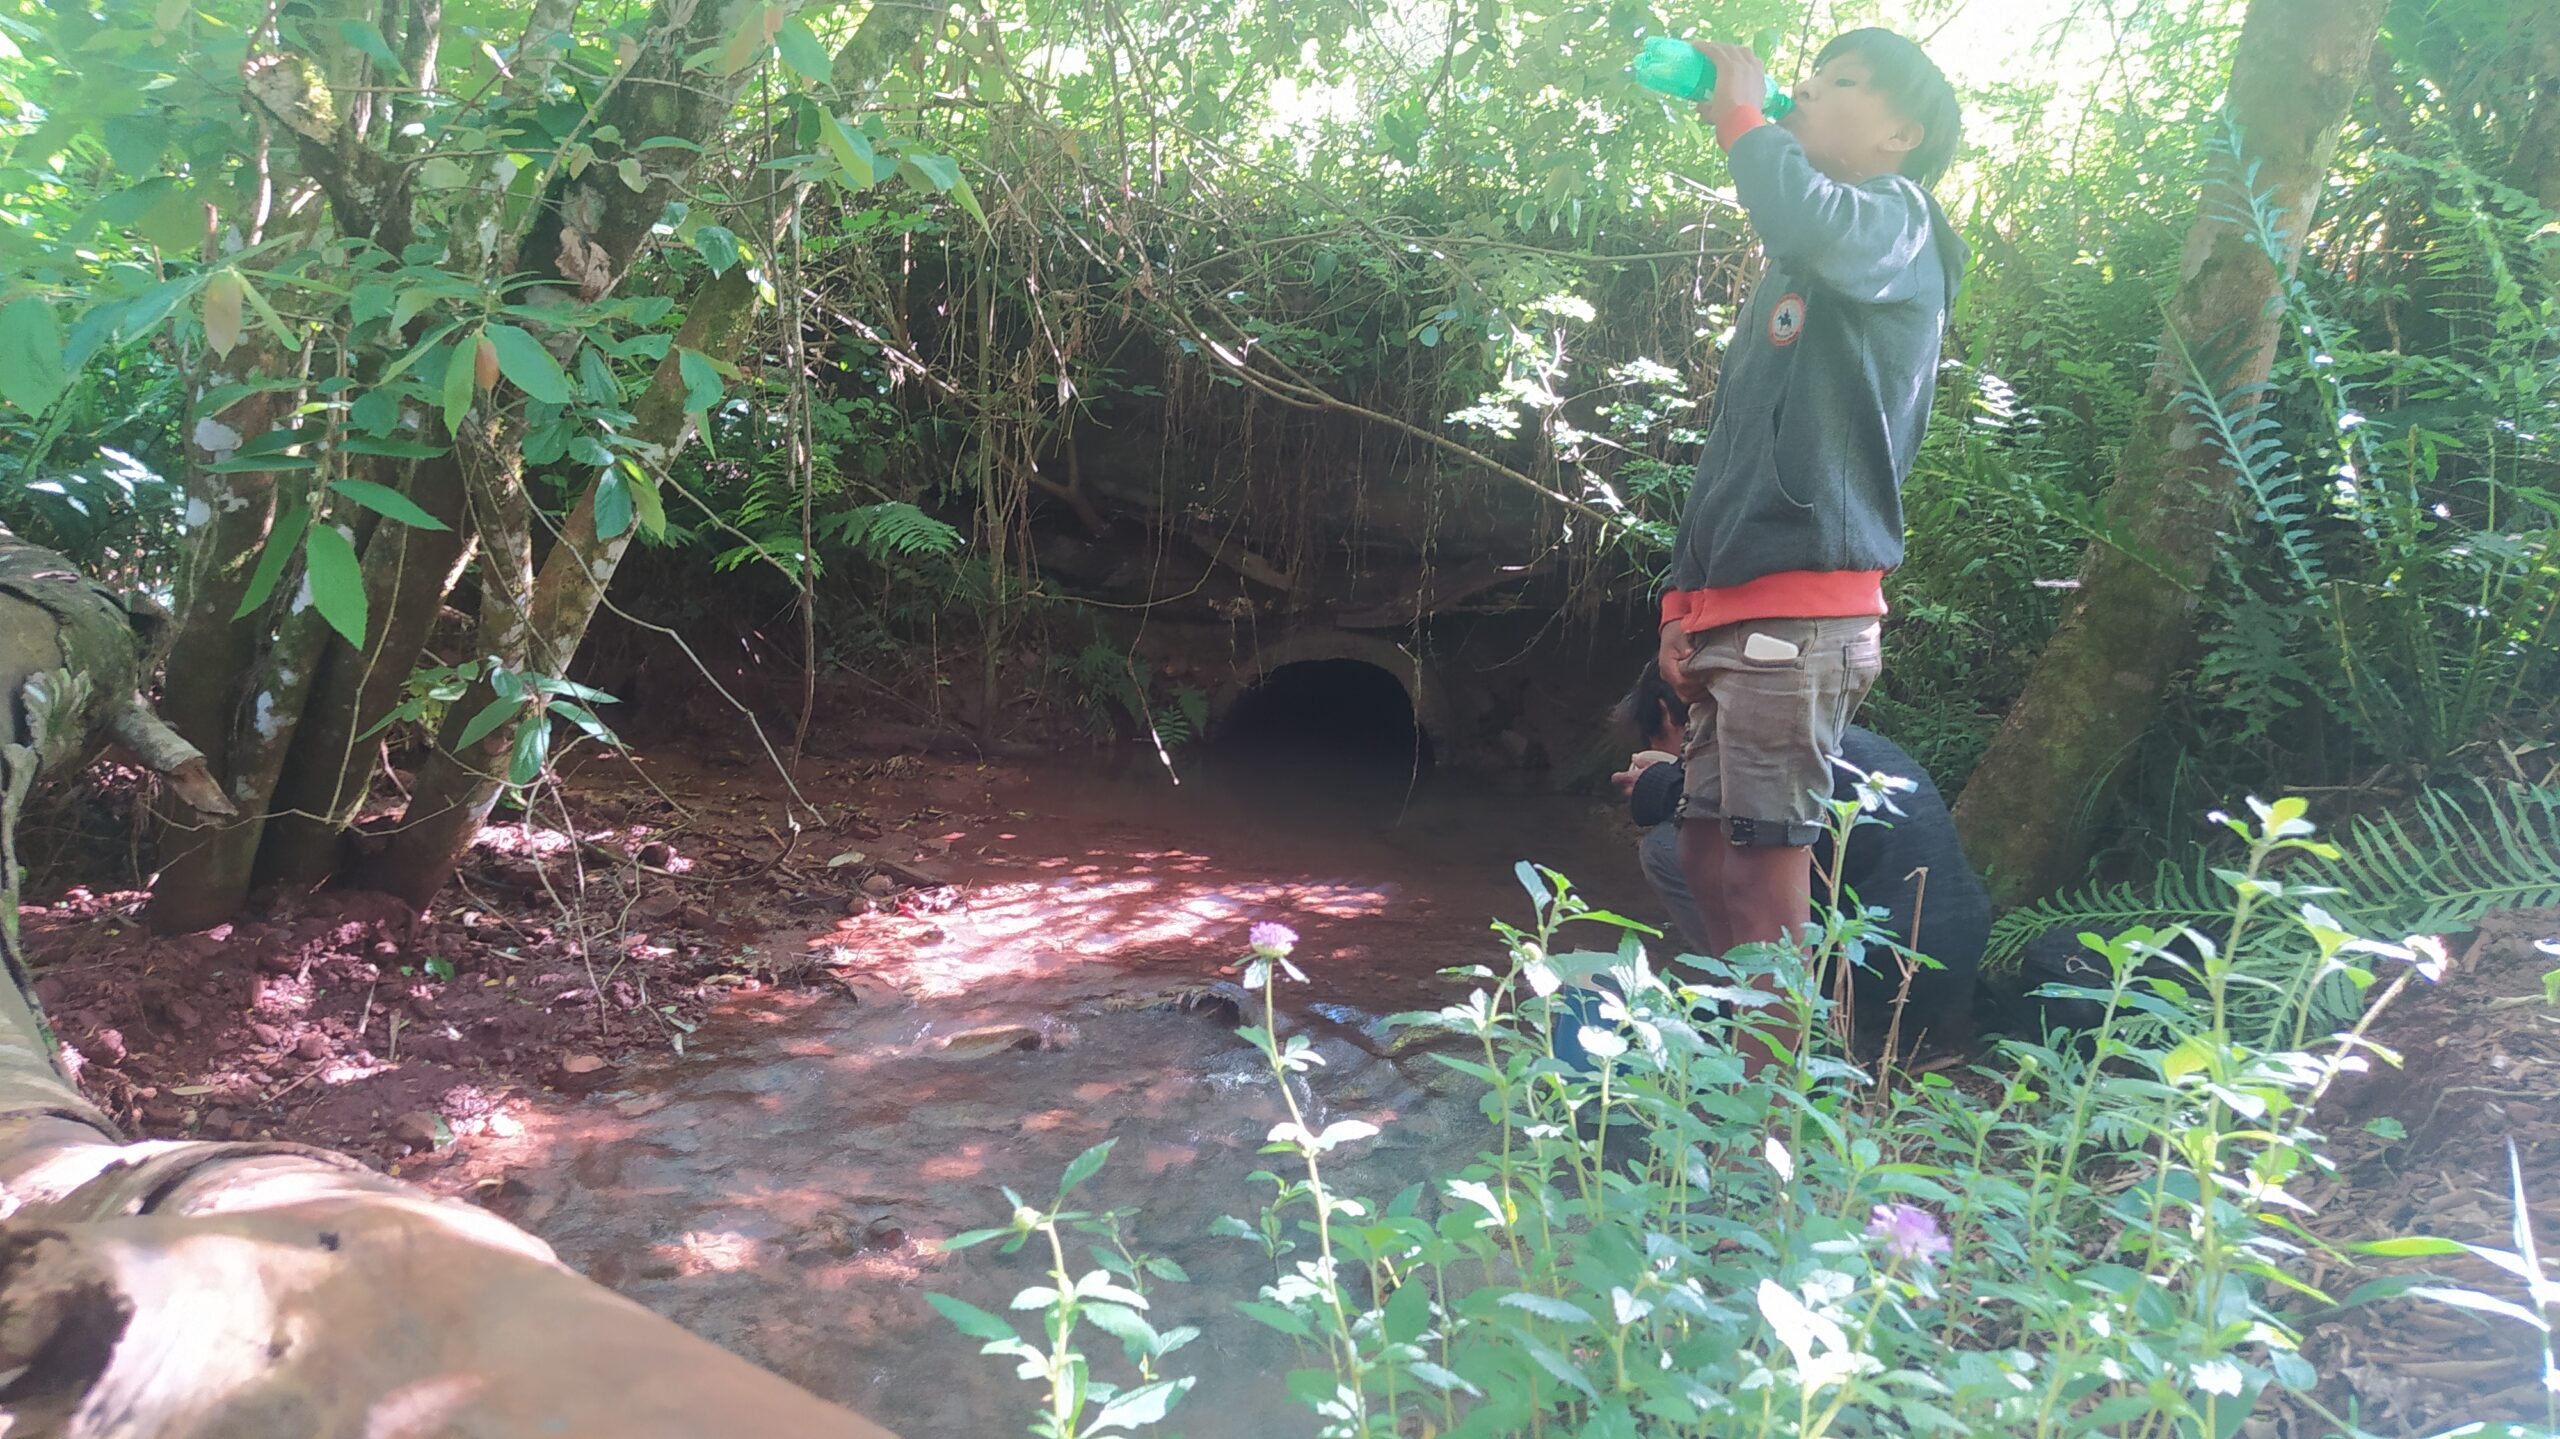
[{"x": 1674, "y": 67}]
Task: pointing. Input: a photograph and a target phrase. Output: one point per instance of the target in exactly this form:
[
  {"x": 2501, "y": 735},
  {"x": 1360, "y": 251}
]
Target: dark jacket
[{"x": 1825, "y": 390}]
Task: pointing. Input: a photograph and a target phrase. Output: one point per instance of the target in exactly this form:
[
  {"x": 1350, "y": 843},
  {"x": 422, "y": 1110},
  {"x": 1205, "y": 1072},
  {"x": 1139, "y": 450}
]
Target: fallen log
[{"x": 189, "y": 1290}]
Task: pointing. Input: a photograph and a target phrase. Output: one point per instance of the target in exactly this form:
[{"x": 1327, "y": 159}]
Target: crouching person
[{"x": 1909, "y": 866}]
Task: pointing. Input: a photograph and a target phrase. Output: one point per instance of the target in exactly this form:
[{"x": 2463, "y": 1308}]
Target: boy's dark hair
[
  {"x": 1918, "y": 90},
  {"x": 1651, "y": 705}
]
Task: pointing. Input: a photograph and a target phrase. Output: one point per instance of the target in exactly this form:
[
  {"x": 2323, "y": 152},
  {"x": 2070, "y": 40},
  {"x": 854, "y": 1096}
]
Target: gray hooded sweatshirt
[{"x": 1825, "y": 390}]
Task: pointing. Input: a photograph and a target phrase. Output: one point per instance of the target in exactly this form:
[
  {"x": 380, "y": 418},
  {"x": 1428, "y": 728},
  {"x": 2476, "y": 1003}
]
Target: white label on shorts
[{"x": 1767, "y": 649}]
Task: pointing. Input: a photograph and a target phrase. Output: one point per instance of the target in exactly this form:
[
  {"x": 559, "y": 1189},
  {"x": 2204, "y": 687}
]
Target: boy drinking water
[{"x": 1770, "y": 624}]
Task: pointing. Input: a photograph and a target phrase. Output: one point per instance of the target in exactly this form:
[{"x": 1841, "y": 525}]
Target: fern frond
[
  {"x": 2237, "y": 422},
  {"x": 2459, "y": 853},
  {"x": 892, "y": 529}
]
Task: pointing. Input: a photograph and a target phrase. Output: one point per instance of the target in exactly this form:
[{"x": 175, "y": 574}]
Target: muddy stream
[{"x": 780, "y": 1189}]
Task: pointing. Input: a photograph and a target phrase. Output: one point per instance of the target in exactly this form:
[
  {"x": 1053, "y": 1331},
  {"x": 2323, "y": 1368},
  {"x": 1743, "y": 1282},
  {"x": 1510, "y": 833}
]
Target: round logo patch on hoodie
[{"x": 1786, "y": 322}]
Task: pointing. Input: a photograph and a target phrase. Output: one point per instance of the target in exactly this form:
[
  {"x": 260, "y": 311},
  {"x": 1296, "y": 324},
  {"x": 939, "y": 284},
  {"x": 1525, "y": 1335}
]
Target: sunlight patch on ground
[{"x": 1039, "y": 928}]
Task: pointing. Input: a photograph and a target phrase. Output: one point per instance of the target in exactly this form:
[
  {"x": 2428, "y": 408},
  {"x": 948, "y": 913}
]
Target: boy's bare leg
[{"x": 1746, "y": 895}]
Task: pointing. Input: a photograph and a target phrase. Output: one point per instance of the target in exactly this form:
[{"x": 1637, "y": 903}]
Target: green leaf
[
  {"x": 1145, "y": 1404},
  {"x": 702, "y": 388},
  {"x": 1408, "y": 1312},
  {"x": 644, "y": 499},
  {"x": 528, "y": 366},
  {"x": 267, "y": 316},
  {"x": 718, "y": 246},
  {"x": 2190, "y": 1057},
  {"x": 1556, "y": 1364},
  {"x": 532, "y": 746},
  {"x": 968, "y": 200},
  {"x": 595, "y": 376},
  {"x": 134, "y": 143},
  {"x": 940, "y": 172},
  {"x": 613, "y": 506},
  {"x": 802, "y": 52},
  {"x": 587, "y": 720},
  {"x": 971, "y": 1320},
  {"x": 337, "y": 581},
  {"x": 362, "y": 35},
  {"x": 458, "y": 383},
  {"x": 271, "y": 560},
  {"x": 440, "y": 968},
  {"x": 30, "y": 355},
  {"x": 1275, "y": 1317},
  {"x": 2410, "y": 1246},
  {"x": 1547, "y": 1307},
  {"x": 853, "y": 153},
  {"x": 390, "y": 449},
  {"x": 262, "y": 464},
  {"x": 753, "y": 39},
  {"x": 384, "y": 500},
  {"x": 1084, "y": 1166}
]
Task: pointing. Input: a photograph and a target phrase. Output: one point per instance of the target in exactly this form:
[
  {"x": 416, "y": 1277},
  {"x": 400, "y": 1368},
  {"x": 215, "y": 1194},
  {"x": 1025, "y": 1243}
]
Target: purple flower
[
  {"x": 1273, "y": 939},
  {"x": 1908, "y": 1231}
]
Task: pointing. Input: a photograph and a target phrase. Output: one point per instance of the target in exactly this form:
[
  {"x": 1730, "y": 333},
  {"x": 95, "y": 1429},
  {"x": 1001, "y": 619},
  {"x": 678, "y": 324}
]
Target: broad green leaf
[
  {"x": 852, "y": 152},
  {"x": 532, "y": 747},
  {"x": 613, "y": 506},
  {"x": 646, "y": 503},
  {"x": 718, "y": 246},
  {"x": 702, "y": 388},
  {"x": 281, "y": 543},
  {"x": 939, "y": 172},
  {"x": 458, "y": 383},
  {"x": 362, "y": 35},
  {"x": 802, "y": 52},
  {"x": 31, "y": 375},
  {"x": 2191, "y": 1056},
  {"x": 528, "y": 366},
  {"x": 595, "y": 376},
  {"x": 134, "y": 143},
  {"x": 384, "y": 500},
  {"x": 337, "y": 581},
  {"x": 969, "y": 1319},
  {"x": 968, "y": 200},
  {"x": 493, "y": 714},
  {"x": 1274, "y": 1317},
  {"x": 1143, "y": 1405},
  {"x": 390, "y": 449}
]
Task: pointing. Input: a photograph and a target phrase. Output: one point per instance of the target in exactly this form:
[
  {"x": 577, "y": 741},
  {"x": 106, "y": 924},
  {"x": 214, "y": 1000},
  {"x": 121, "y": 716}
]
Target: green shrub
[{"x": 2069, "y": 1238}]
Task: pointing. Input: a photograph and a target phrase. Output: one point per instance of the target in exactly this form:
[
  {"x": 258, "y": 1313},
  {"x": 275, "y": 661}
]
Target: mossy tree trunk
[{"x": 2024, "y": 815}]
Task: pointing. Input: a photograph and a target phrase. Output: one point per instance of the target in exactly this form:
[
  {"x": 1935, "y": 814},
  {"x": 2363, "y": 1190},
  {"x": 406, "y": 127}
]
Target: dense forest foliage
[{"x": 324, "y": 319}]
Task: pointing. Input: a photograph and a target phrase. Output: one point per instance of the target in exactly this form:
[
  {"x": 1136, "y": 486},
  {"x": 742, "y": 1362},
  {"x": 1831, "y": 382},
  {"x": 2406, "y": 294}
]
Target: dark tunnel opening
[{"x": 1335, "y": 731}]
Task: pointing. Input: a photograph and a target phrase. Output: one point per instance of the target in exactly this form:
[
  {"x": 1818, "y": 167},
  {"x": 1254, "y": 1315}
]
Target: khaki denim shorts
[{"x": 1758, "y": 759}]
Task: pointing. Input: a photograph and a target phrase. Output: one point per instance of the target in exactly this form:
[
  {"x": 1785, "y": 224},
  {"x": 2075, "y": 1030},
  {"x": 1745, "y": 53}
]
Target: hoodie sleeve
[{"x": 1865, "y": 242}]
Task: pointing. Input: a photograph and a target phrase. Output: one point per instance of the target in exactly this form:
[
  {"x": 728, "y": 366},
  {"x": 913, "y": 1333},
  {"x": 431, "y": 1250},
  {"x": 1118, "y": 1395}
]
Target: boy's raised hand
[{"x": 1742, "y": 82}]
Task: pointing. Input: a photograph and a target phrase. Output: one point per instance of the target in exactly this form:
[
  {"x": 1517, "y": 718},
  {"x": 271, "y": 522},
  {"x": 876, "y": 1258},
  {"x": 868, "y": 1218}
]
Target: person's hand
[
  {"x": 1742, "y": 82},
  {"x": 1672, "y": 657},
  {"x": 1637, "y": 763}
]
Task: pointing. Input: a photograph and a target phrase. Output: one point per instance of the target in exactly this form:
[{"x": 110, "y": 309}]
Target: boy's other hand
[
  {"x": 1637, "y": 764},
  {"x": 1672, "y": 656},
  {"x": 1742, "y": 82}
]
